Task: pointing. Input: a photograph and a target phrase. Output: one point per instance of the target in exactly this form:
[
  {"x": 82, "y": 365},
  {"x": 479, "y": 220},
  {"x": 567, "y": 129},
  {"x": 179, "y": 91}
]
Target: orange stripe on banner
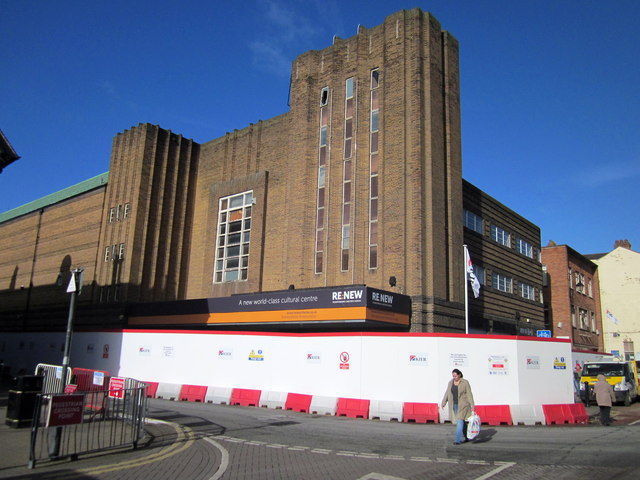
[
  {"x": 276, "y": 316},
  {"x": 308, "y": 315},
  {"x": 387, "y": 317},
  {"x": 193, "y": 319}
]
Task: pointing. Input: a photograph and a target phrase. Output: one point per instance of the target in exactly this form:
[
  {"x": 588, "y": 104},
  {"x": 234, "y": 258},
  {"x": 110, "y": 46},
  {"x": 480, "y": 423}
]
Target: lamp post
[{"x": 75, "y": 285}]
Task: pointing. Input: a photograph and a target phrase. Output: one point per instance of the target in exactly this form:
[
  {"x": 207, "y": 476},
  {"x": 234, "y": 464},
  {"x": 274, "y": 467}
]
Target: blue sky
[{"x": 550, "y": 91}]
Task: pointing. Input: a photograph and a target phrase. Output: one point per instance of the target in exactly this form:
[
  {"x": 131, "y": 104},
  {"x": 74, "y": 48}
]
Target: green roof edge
[{"x": 46, "y": 201}]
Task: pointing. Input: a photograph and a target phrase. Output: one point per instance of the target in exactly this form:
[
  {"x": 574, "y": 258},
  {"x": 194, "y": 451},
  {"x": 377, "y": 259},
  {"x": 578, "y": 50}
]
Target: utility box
[{"x": 22, "y": 400}]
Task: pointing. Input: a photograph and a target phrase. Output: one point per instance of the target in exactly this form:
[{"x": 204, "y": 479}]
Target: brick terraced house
[{"x": 359, "y": 183}]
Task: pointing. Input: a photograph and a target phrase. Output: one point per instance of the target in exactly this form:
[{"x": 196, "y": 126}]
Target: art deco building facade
[{"x": 360, "y": 181}]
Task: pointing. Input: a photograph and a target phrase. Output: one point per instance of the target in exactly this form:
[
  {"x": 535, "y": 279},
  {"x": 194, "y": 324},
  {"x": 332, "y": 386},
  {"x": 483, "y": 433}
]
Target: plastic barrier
[
  {"x": 245, "y": 397},
  {"x": 353, "y": 408},
  {"x": 273, "y": 399},
  {"x": 168, "y": 391},
  {"x": 90, "y": 380},
  {"x": 385, "y": 410},
  {"x": 298, "y": 402},
  {"x": 558, "y": 414},
  {"x": 219, "y": 395},
  {"x": 152, "y": 389},
  {"x": 527, "y": 415},
  {"x": 494, "y": 414},
  {"x": 321, "y": 405},
  {"x": 421, "y": 412},
  {"x": 193, "y": 393},
  {"x": 578, "y": 413}
]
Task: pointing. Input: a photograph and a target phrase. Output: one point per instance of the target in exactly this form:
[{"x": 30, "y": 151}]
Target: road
[{"x": 266, "y": 443}]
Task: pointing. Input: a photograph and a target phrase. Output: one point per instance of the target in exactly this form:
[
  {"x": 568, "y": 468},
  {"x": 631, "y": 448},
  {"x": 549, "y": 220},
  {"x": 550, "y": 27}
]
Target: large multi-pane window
[
  {"x": 502, "y": 283},
  {"x": 500, "y": 235},
  {"x": 323, "y": 162},
  {"x": 233, "y": 238},
  {"x": 473, "y": 222},
  {"x": 527, "y": 291},
  {"x": 347, "y": 178},
  {"x": 524, "y": 248},
  {"x": 374, "y": 168}
]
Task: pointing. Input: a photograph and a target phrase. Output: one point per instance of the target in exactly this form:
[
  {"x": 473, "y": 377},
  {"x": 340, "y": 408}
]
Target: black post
[{"x": 74, "y": 287}]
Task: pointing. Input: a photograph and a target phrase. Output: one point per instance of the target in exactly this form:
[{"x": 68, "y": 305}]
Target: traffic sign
[{"x": 543, "y": 333}]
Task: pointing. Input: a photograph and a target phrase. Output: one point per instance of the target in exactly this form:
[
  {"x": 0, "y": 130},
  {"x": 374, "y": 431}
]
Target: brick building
[
  {"x": 359, "y": 183},
  {"x": 572, "y": 297}
]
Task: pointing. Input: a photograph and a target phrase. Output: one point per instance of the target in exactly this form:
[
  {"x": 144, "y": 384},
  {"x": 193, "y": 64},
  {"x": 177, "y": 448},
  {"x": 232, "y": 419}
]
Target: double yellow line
[{"x": 185, "y": 437}]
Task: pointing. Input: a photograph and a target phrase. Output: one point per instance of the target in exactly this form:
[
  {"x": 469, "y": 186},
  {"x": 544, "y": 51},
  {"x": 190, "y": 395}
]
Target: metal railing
[
  {"x": 102, "y": 420},
  {"x": 52, "y": 376}
]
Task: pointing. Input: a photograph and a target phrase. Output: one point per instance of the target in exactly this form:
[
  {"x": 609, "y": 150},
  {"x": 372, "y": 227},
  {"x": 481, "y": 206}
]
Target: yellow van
[{"x": 623, "y": 376}]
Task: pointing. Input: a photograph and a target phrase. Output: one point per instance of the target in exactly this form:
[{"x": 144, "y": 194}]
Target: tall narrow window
[
  {"x": 321, "y": 194},
  {"x": 374, "y": 168},
  {"x": 232, "y": 240},
  {"x": 347, "y": 172}
]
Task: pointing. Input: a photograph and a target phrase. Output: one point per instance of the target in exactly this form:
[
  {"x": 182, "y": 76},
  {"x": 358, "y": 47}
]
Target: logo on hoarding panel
[
  {"x": 419, "y": 359},
  {"x": 144, "y": 351},
  {"x": 382, "y": 298},
  {"x": 225, "y": 354},
  {"x": 533, "y": 363},
  {"x": 256, "y": 357},
  {"x": 313, "y": 357},
  {"x": 346, "y": 296},
  {"x": 559, "y": 363}
]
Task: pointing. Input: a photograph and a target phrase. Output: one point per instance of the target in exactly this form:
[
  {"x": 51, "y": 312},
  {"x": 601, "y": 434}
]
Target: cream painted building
[{"x": 619, "y": 275}]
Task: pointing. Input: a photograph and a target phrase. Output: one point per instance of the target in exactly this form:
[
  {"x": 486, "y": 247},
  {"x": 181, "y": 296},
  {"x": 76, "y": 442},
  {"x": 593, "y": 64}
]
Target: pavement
[{"x": 168, "y": 451}]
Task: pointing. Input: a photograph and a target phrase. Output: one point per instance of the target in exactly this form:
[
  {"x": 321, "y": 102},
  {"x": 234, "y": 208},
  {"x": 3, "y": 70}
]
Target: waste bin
[{"x": 22, "y": 399}]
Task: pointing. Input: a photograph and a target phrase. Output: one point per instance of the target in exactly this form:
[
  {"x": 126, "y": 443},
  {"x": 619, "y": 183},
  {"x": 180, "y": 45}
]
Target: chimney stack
[{"x": 622, "y": 243}]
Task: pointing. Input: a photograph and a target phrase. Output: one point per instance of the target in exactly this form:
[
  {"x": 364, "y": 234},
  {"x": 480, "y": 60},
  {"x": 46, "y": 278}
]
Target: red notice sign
[
  {"x": 116, "y": 387},
  {"x": 65, "y": 410}
]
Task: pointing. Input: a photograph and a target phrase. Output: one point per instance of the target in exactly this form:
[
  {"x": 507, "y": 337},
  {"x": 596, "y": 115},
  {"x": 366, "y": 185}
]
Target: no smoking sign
[{"x": 344, "y": 361}]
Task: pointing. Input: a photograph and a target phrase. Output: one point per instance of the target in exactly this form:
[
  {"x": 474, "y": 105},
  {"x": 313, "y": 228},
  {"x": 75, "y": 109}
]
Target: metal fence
[
  {"x": 99, "y": 420},
  {"x": 52, "y": 376}
]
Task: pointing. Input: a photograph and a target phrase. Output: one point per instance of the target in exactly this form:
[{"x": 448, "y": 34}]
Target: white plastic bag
[{"x": 473, "y": 429}]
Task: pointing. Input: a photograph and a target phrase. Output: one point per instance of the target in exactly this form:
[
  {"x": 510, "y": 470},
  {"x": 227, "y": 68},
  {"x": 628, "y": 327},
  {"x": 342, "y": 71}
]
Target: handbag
[{"x": 473, "y": 429}]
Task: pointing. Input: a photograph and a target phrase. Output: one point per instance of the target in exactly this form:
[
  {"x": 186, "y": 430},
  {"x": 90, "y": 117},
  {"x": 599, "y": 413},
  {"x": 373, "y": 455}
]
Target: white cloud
[
  {"x": 286, "y": 34},
  {"x": 608, "y": 172}
]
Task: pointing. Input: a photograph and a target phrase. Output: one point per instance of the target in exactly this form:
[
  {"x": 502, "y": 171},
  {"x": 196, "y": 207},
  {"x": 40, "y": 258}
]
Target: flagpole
[{"x": 466, "y": 291}]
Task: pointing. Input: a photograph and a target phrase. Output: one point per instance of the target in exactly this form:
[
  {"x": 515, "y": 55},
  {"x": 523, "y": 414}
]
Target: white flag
[
  {"x": 611, "y": 317},
  {"x": 471, "y": 276}
]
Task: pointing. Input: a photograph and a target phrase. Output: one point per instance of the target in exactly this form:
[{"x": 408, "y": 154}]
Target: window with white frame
[
  {"x": 590, "y": 284},
  {"x": 233, "y": 237},
  {"x": 527, "y": 291},
  {"x": 580, "y": 287},
  {"x": 473, "y": 222},
  {"x": 500, "y": 235},
  {"x": 502, "y": 282},
  {"x": 584, "y": 318},
  {"x": 573, "y": 316},
  {"x": 524, "y": 248}
]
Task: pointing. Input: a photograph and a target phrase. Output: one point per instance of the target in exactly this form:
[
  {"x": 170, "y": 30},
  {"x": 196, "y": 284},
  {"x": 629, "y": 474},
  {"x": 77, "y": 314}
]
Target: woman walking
[
  {"x": 460, "y": 399},
  {"x": 604, "y": 398}
]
